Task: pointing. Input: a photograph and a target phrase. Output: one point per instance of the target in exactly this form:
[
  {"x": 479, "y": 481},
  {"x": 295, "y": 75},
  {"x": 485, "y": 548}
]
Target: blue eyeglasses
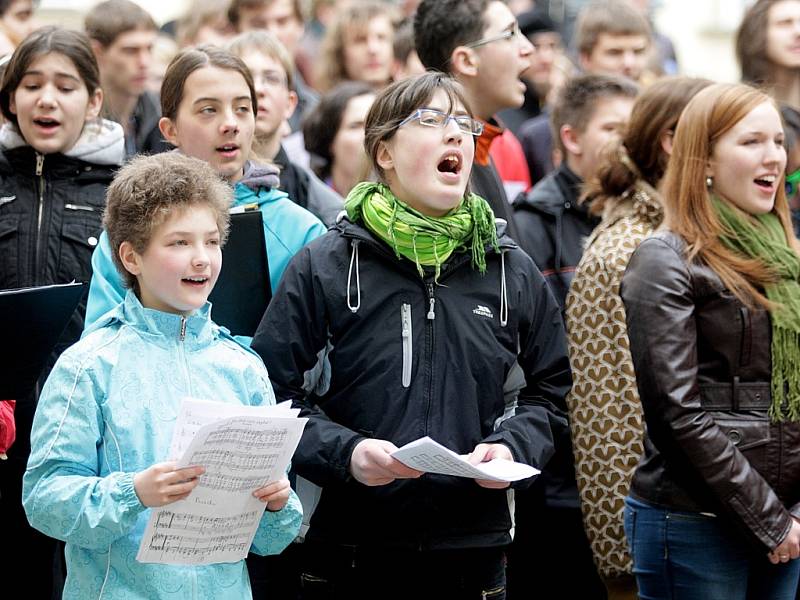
[{"x": 430, "y": 117}]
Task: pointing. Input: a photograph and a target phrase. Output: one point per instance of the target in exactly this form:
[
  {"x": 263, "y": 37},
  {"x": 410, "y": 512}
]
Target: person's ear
[
  {"x": 585, "y": 62},
  {"x": 383, "y": 157},
  {"x": 464, "y": 61},
  {"x": 667, "y": 139},
  {"x": 95, "y": 105},
  {"x": 168, "y": 130},
  {"x": 130, "y": 259},
  {"x": 98, "y": 49},
  {"x": 571, "y": 139},
  {"x": 291, "y": 105}
]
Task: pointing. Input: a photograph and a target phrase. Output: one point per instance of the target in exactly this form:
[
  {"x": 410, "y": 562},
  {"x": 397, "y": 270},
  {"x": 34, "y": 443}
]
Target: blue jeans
[{"x": 692, "y": 556}]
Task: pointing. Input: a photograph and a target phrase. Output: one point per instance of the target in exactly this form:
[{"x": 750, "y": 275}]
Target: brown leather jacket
[{"x": 702, "y": 362}]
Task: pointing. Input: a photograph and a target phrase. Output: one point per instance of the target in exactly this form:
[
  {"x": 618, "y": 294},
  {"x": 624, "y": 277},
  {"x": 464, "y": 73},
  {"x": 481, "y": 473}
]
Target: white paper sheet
[
  {"x": 429, "y": 456},
  {"x": 242, "y": 448}
]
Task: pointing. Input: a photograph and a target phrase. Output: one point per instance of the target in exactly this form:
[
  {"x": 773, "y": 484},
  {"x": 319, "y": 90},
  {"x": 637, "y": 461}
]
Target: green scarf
[
  {"x": 763, "y": 238},
  {"x": 424, "y": 240}
]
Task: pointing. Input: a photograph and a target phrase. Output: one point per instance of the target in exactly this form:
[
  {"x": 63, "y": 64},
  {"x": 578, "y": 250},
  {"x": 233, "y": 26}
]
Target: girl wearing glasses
[
  {"x": 407, "y": 319},
  {"x": 713, "y": 311}
]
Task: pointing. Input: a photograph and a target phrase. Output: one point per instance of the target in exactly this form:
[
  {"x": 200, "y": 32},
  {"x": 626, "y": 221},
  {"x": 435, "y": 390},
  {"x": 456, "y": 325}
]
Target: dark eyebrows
[
  {"x": 58, "y": 74},
  {"x": 211, "y": 99}
]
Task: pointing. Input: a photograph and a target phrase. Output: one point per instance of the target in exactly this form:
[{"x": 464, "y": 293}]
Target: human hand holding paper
[
  {"x": 485, "y": 453},
  {"x": 429, "y": 456},
  {"x": 275, "y": 494},
  {"x": 372, "y": 463}
]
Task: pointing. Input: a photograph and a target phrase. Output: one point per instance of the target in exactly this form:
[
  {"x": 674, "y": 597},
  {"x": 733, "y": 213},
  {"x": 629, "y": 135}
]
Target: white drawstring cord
[
  {"x": 354, "y": 259},
  {"x": 503, "y": 291}
]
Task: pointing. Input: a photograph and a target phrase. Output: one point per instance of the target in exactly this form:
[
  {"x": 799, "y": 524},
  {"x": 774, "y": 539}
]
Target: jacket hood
[
  {"x": 101, "y": 142},
  {"x": 260, "y": 176},
  {"x": 258, "y": 185}
]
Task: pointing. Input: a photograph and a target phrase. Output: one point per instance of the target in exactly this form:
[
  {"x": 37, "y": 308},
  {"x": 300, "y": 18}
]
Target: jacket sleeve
[
  {"x": 63, "y": 494},
  {"x": 292, "y": 338},
  {"x": 660, "y": 305},
  {"x": 603, "y": 385},
  {"x": 106, "y": 289},
  {"x": 288, "y": 227},
  {"x": 540, "y": 415},
  {"x": 278, "y": 529}
]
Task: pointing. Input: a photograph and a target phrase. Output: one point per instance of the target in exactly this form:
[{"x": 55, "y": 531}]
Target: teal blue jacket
[
  {"x": 287, "y": 228},
  {"x": 107, "y": 411}
]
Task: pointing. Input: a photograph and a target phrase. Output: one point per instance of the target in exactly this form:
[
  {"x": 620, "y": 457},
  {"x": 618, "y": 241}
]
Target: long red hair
[{"x": 688, "y": 210}]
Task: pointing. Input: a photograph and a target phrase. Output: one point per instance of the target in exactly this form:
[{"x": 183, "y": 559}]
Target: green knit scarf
[
  {"x": 424, "y": 240},
  {"x": 763, "y": 238}
]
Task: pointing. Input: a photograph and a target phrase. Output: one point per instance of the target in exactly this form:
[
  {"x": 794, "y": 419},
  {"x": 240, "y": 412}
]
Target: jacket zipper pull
[
  {"x": 432, "y": 303},
  {"x": 39, "y": 164},
  {"x": 183, "y": 328}
]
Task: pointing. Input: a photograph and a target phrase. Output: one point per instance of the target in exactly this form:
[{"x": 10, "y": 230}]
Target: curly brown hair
[{"x": 150, "y": 189}]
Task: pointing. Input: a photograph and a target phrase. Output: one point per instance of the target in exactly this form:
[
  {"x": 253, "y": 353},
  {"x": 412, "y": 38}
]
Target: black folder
[
  {"x": 32, "y": 321},
  {"x": 243, "y": 290}
]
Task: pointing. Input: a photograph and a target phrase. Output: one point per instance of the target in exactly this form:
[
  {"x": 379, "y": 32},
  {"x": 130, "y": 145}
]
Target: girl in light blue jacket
[
  {"x": 107, "y": 412},
  {"x": 204, "y": 117}
]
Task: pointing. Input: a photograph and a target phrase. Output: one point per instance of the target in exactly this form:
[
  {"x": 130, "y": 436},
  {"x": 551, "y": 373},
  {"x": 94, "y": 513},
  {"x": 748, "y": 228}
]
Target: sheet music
[
  {"x": 429, "y": 456},
  {"x": 242, "y": 448}
]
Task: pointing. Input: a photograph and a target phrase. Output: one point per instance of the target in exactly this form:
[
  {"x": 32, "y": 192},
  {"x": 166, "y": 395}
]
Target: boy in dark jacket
[
  {"x": 479, "y": 43},
  {"x": 591, "y": 111}
]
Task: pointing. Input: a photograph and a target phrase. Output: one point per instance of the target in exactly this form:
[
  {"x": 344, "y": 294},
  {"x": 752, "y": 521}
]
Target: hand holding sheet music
[
  {"x": 242, "y": 448},
  {"x": 429, "y": 456}
]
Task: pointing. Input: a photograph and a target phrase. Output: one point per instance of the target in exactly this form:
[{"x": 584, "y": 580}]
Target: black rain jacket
[{"x": 369, "y": 349}]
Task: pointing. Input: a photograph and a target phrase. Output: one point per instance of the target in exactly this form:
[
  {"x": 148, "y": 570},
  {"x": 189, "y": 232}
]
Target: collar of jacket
[
  {"x": 22, "y": 160},
  {"x": 484, "y": 142},
  {"x": 557, "y": 193},
  {"x": 351, "y": 230},
  {"x": 196, "y": 329}
]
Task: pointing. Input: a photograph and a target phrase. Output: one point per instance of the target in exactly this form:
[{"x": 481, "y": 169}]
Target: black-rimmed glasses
[{"x": 430, "y": 117}]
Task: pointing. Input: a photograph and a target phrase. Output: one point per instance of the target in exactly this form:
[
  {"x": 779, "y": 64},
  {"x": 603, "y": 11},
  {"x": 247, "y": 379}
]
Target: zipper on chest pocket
[
  {"x": 405, "y": 319},
  {"x": 79, "y": 207}
]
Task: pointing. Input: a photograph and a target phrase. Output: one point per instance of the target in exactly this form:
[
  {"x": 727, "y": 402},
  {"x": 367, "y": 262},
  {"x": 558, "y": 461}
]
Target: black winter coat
[
  {"x": 406, "y": 358},
  {"x": 51, "y": 209},
  {"x": 703, "y": 369},
  {"x": 553, "y": 226}
]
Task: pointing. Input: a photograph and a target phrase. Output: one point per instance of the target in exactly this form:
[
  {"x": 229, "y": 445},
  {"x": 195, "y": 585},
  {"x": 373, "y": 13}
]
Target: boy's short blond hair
[
  {"x": 266, "y": 43},
  {"x": 149, "y": 190},
  {"x": 612, "y": 17}
]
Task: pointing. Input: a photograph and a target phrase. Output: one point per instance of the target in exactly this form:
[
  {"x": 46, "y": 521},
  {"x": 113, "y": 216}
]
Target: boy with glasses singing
[{"x": 479, "y": 43}]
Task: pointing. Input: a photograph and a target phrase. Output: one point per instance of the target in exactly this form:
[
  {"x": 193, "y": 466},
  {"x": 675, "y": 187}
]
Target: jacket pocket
[
  {"x": 750, "y": 435},
  {"x": 747, "y": 337},
  {"x": 78, "y": 241},
  {"x": 408, "y": 348},
  {"x": 81, "y": 207},
  {"x": 9, "y": 252}
]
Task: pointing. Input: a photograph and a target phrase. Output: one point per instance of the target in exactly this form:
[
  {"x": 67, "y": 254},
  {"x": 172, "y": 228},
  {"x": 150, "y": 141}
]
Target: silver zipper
[
  {"x": 405, "y": 318},
  {"x": 39, "y": 168},
  {"x": 183, "y": 329},
  {"x": 431, "y": 303},
  {"x": 79, "y": 207}
]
